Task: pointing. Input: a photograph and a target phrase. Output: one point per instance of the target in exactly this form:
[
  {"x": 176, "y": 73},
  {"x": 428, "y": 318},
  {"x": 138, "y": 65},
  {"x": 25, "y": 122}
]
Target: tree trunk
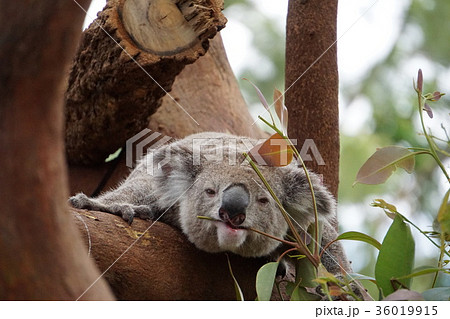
[
  {"x": 161, "y": 264},
  {"x": 312, "y": 84},
  {"x": 127, "y": 61},
  {"x": 42, "y": 256},
  {"x": 217, "y": 104}
]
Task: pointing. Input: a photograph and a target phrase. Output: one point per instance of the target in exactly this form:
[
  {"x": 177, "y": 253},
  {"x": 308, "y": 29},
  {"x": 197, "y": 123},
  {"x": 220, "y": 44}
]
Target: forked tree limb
[
  {"x": 154, "y": 261},
  {"x": 127, "y": 61}
]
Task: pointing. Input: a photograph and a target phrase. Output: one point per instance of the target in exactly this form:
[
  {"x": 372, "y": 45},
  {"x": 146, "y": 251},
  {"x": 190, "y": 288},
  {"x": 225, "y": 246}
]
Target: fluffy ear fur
[
  {"x": 174, "y": 172},
  {"x": 298, "y": 199}
]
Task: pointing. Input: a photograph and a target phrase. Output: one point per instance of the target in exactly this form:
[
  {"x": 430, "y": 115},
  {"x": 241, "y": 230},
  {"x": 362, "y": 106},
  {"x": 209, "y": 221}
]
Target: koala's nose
[{"x": 234, "y": 203}]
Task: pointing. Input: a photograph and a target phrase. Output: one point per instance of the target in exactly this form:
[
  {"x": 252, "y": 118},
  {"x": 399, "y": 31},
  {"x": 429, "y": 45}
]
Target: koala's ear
[
  {"x": 297, "y": 196},
  {"x": 175, "y": 170}
]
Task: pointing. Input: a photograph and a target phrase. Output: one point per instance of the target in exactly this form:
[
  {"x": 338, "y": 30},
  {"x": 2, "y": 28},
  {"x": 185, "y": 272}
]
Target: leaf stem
[
  {"x": 316, "y": 215},
  {"x": 423, "y": 233},
  {"x": 284, "y": 253},
  {"x": 290, "y": 243},
  {"x": 421, "y": 100},
  {"x": 441, "y": 257},
  {"x": 302, "y": 246}
]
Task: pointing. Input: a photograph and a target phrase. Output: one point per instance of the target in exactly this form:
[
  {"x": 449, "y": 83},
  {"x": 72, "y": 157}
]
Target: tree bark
[
  {"x": 312, "y": 83},
  {"x": 127, "y": 61},
  {"x": 154, "y": 261},
  {"x": 210, "y": 95},
  {"x": 42, "y": 256},
  {"x": 216, "y": 105}
]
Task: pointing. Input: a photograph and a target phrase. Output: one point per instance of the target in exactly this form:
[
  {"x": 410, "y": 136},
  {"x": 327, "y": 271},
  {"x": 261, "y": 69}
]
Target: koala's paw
[
  {"x": 126, "y": 211},
  {"x": 81, "y": 201}
]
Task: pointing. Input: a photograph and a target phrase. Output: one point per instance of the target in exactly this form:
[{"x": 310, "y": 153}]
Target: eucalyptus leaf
[
  {"x": 404, "y": 295},
  {"x": 273, "y": 152},
  {"x": 380, "y": 166},
  {"x": 354, "y": 235},
  {"x": 262, "y": 99},
  {"x": 299, "y": 293},
  {"x": 355, "y": 276},
  {"x": 305, "y": 273},
  {"x": 443, "y": 216},
  {"x": 281, "y": 110},
  {"x": 437, "y": 294},
  {"x": 422, "y": 272},
  {"x": 113, "y": 156},
  {"x": 265, "y": 279},
  {"x": 396, "y": 256},
  {"x": 428, "y": 109},
  {"x": 389, "y": 209}
]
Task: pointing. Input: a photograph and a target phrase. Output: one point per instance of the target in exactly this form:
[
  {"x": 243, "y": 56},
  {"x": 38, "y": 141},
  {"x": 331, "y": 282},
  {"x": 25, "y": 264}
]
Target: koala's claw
[
  {"x": 126, "y": 211},
  {"x": 80, "y": 201}
]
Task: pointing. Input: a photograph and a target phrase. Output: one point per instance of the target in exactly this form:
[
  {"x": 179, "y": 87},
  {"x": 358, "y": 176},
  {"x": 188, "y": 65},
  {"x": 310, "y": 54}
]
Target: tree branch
[
  {"x": 127, "y": 61},
  {"x": 161, "y": 264}
]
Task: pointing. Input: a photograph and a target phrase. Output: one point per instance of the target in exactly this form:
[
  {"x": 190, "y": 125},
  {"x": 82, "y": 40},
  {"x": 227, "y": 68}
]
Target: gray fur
[{"x": 186, "y": 184}]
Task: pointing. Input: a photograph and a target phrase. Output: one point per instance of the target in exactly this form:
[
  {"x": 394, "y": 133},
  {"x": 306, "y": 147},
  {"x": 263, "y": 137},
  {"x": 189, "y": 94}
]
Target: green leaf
[
  {"x": 355, "y": 276},
  {"x": 443, "y": 216},
  {"x": 354, "y": 235},
  {"x": 298, "y": 293},
  {"x": 437, "y": 294},
  {"x": 380, "y": 166},
  {"x": 305, "y": 273},
  {"x": 237, "y": 288},
  {"x": 422, "y": 272},
  {"x": 113, "y": 156},
  {"x": 389, "y": 209},
  {"x": 265, "y": 279},
  {"x": 396, "y": 256}
]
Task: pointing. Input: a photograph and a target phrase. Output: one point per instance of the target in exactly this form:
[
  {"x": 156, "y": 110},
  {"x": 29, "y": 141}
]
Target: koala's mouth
[
  {"x": 227, "y": 222},
  {"x": 231, "y": 220},
  {"x": 230, "y": 224}
]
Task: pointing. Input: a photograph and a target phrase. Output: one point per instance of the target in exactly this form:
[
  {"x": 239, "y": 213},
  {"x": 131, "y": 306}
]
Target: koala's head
[{"x": 236, "y": 199}]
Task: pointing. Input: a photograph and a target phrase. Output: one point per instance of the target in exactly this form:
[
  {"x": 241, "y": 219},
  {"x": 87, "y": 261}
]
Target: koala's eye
[
  {"x": 263, "y": 200},
  {"x": 210, "y": 192}
]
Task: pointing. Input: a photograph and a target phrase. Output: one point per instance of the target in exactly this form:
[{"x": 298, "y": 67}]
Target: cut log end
[
  {"x": 126, "y": 62},
  {"x": 168, "y": 27}
]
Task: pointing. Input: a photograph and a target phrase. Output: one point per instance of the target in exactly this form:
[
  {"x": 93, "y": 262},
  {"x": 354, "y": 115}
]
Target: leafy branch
[{"x": 393, "y": 269}]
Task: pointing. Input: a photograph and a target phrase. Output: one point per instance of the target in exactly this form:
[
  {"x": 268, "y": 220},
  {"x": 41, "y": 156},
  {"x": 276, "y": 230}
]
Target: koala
[{"x": 206, "y": 174}]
